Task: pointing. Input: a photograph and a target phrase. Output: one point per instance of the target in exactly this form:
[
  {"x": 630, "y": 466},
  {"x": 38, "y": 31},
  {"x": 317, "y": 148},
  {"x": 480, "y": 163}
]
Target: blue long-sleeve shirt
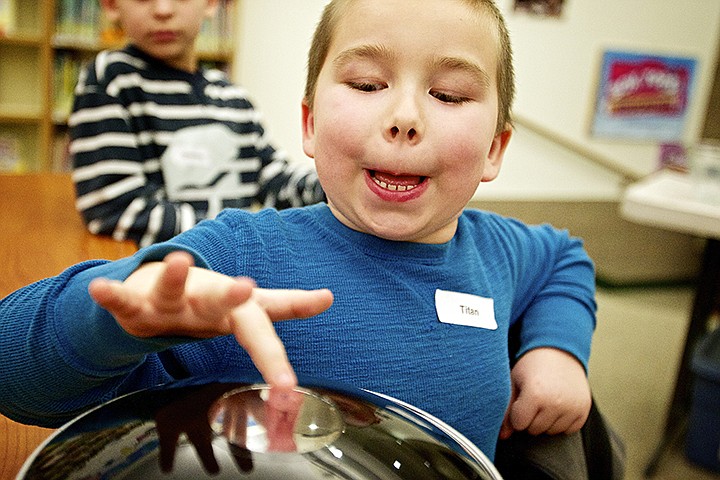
[{"x": 61, "y": 353}]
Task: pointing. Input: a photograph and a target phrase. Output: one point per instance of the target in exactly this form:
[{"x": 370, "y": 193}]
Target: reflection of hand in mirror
[
  {"x": 193, "y": 414},
  {"x": 275, "y": 411},
  {"x": 282, "y": 409},
  {"x": 188, "y": 415},
  {"x": 234, "y": 413},
  {"x": 252, "y": 419}
]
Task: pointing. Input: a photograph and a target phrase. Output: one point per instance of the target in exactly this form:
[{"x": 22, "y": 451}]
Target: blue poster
[{"x": 643, "y": 97}]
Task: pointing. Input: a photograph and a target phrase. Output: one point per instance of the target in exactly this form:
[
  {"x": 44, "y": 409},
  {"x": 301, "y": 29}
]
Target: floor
[{"x": 636, "y": 351}]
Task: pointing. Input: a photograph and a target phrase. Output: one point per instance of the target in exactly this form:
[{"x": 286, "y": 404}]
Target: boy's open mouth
[{"x": 397, "y": 183}]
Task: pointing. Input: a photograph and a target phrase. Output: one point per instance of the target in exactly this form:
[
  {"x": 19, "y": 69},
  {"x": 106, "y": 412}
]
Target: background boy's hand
[
  {"x": 550, "y": 394},
  {"x": 173, "y": 298}
]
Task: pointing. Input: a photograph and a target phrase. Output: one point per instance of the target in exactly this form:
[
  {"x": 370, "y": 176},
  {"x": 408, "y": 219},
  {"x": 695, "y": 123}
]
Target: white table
[{"x": 666, "y": 199}]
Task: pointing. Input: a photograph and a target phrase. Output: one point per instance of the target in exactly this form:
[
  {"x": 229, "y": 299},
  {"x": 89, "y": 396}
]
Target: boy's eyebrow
[
  {"x": 363, "y": 51},
  {"x": 463, "y": 65}
]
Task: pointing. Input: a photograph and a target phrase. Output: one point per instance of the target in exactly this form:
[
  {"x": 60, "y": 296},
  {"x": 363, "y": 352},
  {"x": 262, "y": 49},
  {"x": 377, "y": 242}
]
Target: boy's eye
[
  {"x": 448, "y": 98},
  {"x": 365, "y": 86}
]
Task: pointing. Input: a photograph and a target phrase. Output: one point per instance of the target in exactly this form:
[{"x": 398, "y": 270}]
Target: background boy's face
[
  {"x": 164, "y": 29},
  {"x": 403, "y": 123}
]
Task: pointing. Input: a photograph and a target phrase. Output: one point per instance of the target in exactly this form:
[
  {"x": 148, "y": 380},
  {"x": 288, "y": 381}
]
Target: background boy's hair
[{"x": 505, "y": 73}]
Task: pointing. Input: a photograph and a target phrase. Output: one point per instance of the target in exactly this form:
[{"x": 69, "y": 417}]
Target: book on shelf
[
  {"x": 216, "y": 33},
  {"x": 77, "y": 21},
  {"x": 7, "y": 17},
  {"x": 10, "y": 157},
  {"x": 65, "y": 75}
]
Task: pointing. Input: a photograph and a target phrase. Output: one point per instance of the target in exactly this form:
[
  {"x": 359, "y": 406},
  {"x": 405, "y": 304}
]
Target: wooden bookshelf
[{"x": 41, "y": 52}]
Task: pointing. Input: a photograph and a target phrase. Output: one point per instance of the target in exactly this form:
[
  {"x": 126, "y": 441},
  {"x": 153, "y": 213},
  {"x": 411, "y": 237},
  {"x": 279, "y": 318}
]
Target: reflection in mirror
[{"x": 261, "y": 419}]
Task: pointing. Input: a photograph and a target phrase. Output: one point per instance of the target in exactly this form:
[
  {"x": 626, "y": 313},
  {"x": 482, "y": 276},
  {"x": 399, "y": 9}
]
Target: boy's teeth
[{"x": 398, "y": 188}]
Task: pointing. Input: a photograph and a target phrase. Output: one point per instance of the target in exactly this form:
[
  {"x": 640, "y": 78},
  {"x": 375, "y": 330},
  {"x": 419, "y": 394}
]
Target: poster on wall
[
  {"x": 643, "y": 97},
  {"x": 547, "y": 8}
]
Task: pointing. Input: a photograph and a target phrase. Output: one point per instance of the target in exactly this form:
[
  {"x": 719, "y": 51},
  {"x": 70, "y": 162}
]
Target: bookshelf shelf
[
  {"x": 20, "y": 38},
  {"x": 19, "y": 114},
  {"x": 79, "y": 44},
  {"x": 43, "y": 45},
  {"x": 224, "y": 57}
]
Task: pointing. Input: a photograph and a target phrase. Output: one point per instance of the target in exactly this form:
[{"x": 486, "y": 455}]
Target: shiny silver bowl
[{"x": 233, "y": 427}]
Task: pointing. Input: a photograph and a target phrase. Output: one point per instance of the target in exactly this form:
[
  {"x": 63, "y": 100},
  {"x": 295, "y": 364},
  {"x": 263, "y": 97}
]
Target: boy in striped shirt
[{"x": 159, "y": 143}]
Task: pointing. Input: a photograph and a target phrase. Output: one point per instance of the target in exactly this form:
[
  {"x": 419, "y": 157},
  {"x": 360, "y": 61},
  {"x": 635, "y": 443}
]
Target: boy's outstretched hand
[
  {"x": 173, "y": 298},
  {"x": 550, "y": 394}
]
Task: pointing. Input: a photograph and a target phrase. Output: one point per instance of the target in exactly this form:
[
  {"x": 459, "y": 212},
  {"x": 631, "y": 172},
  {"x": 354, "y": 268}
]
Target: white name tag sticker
[{"x": 465, "y": 309}]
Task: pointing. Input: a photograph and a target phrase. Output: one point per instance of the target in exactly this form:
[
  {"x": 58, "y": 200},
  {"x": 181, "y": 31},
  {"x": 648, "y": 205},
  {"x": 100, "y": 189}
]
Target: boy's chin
[
  {"x": 397, "y": 227},
  {"x": 420, "y": 234}
]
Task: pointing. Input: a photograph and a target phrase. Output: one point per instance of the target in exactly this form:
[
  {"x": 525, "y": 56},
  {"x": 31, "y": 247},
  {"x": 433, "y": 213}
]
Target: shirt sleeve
[
  {"x": 62, "y": 353},
  {"x": 283, "y": 184},
  {"x": 558, "y": 278}
]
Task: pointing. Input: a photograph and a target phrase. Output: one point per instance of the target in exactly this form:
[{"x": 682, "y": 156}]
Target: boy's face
[
  {"x": 164, "y": 29},
  {"x": 403, "y": 122}
]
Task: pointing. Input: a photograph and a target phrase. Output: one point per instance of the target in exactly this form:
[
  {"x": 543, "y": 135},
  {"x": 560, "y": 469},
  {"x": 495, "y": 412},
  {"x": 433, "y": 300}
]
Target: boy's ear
[
  {"x": 308, "y": 129},
  {"x": 496, "y": 154}
]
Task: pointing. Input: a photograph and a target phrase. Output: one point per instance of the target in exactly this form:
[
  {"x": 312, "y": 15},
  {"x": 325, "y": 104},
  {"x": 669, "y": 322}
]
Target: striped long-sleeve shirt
[{"x": 156, "y": 149}]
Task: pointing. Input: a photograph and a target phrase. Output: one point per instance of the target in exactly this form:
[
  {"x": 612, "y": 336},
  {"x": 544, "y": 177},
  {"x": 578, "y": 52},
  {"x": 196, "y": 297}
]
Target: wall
[
  {"x": 275, "y": 36},
  {"x": 557, "y": 62}
]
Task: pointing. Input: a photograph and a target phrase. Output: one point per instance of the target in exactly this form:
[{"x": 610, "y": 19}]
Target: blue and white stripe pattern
[{"x": 129, "y": 109}]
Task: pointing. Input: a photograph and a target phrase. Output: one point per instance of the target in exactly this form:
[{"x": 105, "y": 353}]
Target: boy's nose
[
  {"x": 395, "y": 132},
  {"x": 163, "y": 7},
  {"x": 405, "y": 120}
]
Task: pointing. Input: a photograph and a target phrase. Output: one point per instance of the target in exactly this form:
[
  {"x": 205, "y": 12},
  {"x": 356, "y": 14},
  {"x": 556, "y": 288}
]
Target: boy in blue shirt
[
  {"x": 406, "y": 111},
  {"x": 159, "y": 143}
]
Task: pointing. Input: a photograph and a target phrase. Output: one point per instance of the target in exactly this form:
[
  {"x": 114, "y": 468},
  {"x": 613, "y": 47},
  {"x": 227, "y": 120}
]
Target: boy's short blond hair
[{"x": 505, "y": 73}]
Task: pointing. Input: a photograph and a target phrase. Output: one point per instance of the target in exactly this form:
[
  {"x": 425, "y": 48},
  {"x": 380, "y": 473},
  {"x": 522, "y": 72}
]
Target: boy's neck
[{"x": 188, "y": 63}]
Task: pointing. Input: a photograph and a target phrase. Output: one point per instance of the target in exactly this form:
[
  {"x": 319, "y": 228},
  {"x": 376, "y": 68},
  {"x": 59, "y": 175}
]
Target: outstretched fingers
[
  {"x": 170, "y": 285},
  {"x": 290, "y": 304},
  {"x": 111, "y": 296},
  {"x": 253, "y": 329},
  {"x": 173, "y": 298},
  {"x": 213, "y": 303}
]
